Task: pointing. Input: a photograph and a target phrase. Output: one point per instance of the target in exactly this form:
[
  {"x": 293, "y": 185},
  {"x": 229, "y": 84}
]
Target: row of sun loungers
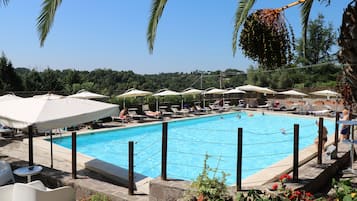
[{"x": 170, "y": 112}]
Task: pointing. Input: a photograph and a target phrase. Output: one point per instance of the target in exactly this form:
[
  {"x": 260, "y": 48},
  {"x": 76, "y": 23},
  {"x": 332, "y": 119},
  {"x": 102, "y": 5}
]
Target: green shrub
[
  {"x": 344, "y": 190},
  {"x": 205, "y": 188}
]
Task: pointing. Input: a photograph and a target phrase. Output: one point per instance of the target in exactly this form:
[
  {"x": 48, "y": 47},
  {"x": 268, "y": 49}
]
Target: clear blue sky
[{"x": 192, "y": 34}]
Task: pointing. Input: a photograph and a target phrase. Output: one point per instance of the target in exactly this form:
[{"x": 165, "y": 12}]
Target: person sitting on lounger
[
  {"x": 345, "y": 129},
  {"x": 324, "y": 137},
  {"x": 155, "y": 114},
  {"x": 124, "y": 114}
]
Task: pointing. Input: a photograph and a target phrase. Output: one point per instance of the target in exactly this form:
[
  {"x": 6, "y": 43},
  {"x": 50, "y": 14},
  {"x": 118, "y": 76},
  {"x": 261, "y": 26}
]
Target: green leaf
[
  {"x": 46, "y": 18},
  {"x": 240, "y": 16},
  {"x": 157, "y": 9},
  {"x": 305, "y": 14},
  {"x": 4, "y": 2}
]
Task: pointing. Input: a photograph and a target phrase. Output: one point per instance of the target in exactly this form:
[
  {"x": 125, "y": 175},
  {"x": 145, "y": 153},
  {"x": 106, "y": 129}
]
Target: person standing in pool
[
  {"x": 345, "y": 129},
  {"x": 324, "y": 137}
]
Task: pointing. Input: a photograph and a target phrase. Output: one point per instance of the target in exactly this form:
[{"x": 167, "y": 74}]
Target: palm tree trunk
[{"x": 348, "y": 53}]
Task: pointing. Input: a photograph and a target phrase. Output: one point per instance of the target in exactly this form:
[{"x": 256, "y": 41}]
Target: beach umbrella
[
  {"x": 327, "y": 93},
  {"x": 212, "y": 90},
  {"x": 189, "y": 91},
  {"x": 257, "y": 89},
  {"x": 162, "y": 93},
  {"x": 133, "y": 93},
  {"x": 83, "y": 94},
  {"x": 234, "y": 91},
  {"x": 50, "y": 111},
  {"x": 9, "y": 97},
  {"x": 292, "y": 93}
]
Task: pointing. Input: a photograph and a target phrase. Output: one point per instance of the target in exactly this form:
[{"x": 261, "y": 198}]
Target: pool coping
[
  {"x": 272, "y": 173},
  {"x": 262, "y": 177}
]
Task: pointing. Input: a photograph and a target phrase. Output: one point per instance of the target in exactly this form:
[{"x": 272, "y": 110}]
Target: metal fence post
[
  {"x": 74, "y": 155},
  {"x": 131, "y": 168},
  {"x": 239, "y": 159},
  {"x": 334, "y": 156},
  {"x": 164, "y": 152},
  {"x": 30, "y": 132},
  {"x": 296, "y": 154},
  {"x": 319, "y": 145}
]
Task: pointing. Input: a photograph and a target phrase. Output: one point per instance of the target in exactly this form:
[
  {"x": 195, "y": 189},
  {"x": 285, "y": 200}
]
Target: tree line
[
  {"x": 111, "y": 82},
  {"x": 313, "y": 68}
]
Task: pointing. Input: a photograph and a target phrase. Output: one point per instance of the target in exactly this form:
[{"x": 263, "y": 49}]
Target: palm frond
[
  {"x": 240, "y": 16},
  {"x": 305, "y": 14},
  {"x": 4, "y": 2},
  {"x": 157, "y": 9},
  {"x": 46, "y": 18}
]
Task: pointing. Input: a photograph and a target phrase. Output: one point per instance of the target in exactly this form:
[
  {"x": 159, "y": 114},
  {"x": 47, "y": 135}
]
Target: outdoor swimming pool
[{"x": 190, "y": 140}]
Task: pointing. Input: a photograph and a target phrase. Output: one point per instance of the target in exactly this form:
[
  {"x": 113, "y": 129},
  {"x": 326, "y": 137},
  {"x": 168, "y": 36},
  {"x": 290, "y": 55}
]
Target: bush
[
  {"x": 205, "y": 188},
  {"x": 344, "y": 190}
]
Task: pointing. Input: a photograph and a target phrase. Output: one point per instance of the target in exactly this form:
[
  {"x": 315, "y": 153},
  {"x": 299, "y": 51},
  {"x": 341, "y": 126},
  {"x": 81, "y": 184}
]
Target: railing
[{"x": 166, "y": 140}]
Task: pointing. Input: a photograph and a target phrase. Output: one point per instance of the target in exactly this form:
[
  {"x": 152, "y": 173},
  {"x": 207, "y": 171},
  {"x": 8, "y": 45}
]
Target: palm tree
[
  {"x": 347, "y": 40},
  {"x": 46, "y": 18},
  {"x": 348, "y": 52}
]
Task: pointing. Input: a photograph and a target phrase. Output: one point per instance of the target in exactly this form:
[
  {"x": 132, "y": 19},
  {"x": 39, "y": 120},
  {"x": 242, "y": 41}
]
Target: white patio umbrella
[
  {"x": 212, "y": 90},
  {"x": 292, "y": 93},
  {"x": 50, "y": 111},
  {"x": 83, "y": 94},
  {"x": 327, "y": 93},
  {"x": 9, "y": 97},
  {"x": 234, "y": 91},
  {"x": 189, "y": 91},
  {"x": 257, "y": 89},
  {"x": 133, "y": 93},
  {"x": 164, "y": 92}
]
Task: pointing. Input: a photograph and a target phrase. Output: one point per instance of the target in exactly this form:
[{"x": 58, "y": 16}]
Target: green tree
[
  {"x": 50, "y": 80},
  {"x": 10, "y": 80},
  {"x": 320, "y": 38},
  {"x": 33, "y": 81}
]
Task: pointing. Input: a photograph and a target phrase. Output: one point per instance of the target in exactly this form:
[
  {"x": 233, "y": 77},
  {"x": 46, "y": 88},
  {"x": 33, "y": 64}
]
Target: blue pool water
[{"x": 190, "y": 140}]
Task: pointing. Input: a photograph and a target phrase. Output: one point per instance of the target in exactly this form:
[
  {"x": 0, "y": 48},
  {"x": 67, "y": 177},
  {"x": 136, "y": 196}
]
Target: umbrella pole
[
  {"x": 51, "y": 148},
  {"x": 181, "y": 102},
  {"x": 157, "y": 104},
  {"x": 30, "y": 133}
]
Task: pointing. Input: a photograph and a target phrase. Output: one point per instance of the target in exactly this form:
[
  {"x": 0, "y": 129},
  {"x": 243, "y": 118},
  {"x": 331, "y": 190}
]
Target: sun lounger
[
  {"x": 35, "y": 191},
  {"x": 135, "y": 116},
  {"x": 151, "y": 114}
]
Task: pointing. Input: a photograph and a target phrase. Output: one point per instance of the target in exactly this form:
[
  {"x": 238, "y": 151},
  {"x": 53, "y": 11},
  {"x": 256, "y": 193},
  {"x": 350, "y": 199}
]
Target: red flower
[
  {"x": 284, "y": 177},
  {"x": 274, "y": 187},
  {"x": 308, "y": 194},
  {"x": 200, "y": 198},
  {"x": 292, "y": 197}
]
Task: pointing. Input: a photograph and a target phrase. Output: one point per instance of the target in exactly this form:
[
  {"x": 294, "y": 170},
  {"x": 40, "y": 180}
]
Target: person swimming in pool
[{"x": 283, "y": 131}]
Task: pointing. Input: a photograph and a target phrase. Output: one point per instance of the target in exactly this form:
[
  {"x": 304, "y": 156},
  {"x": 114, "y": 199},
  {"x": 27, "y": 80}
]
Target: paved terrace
[{"x": 312, "y": 177}]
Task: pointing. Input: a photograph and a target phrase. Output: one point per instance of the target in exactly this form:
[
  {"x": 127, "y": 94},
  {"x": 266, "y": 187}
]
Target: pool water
[{"x": 267, "y": 139}]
